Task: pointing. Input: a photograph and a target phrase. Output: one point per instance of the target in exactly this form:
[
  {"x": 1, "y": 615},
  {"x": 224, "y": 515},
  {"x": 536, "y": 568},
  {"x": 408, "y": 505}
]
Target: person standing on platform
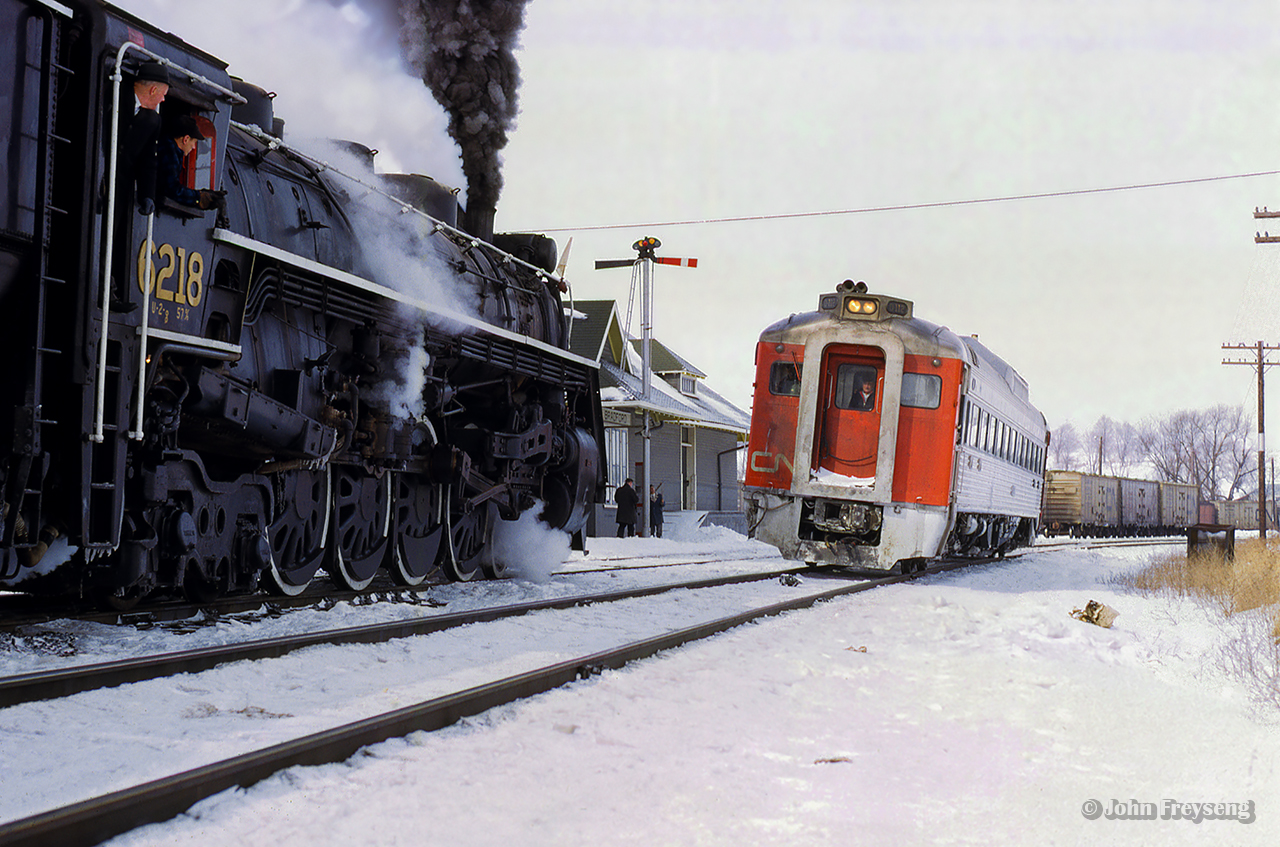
[
  {"x": 656, "y": 502},
  {"x": 627, "y": 500}
]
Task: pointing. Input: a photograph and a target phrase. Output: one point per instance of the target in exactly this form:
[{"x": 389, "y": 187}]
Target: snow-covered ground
[
  {"x": 964, "y": 708},
  {"x": 67, "y": 643}
]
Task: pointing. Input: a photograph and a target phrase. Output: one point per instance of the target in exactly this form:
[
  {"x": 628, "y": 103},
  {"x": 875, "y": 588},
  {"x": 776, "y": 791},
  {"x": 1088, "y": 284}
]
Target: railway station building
[{"x": 697, "y": 438}]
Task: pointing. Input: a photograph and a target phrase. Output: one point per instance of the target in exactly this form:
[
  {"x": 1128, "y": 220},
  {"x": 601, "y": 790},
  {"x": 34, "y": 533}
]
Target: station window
[{"x": 615, "y": 440}]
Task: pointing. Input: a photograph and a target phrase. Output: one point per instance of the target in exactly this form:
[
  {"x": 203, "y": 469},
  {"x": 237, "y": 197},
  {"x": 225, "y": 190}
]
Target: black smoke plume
[{"x": 464, "y": 51}]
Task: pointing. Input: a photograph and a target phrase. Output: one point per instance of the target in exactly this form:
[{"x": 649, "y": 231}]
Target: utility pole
[
  {"x": 1261, "y": 238},
  {"x": 645, "y": 257},
  {"x": 1261, "y": 363}
]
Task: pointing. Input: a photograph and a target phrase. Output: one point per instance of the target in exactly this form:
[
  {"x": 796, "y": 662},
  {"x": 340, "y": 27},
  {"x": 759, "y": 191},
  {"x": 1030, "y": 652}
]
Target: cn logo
[{"x": 760, "y": 461}]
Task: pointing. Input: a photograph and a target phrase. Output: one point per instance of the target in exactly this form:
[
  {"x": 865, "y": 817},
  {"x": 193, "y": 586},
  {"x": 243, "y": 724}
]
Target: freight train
[
  {"x": 327, "y": 374},
  {"x": 880, "y": 440},
  {"x": 1084, "y": 505}
]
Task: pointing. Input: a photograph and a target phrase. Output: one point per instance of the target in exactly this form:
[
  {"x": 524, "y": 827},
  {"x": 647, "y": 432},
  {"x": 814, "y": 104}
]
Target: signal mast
[{"x": 646, "y": 258}]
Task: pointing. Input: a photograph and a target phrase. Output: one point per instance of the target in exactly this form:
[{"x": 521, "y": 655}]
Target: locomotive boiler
[
  {"x": 880, "y": 440},
  {"x": 330, "y": 375}
]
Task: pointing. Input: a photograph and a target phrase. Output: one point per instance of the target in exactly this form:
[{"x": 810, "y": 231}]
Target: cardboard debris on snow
[{"x": 1096, "y": 613}]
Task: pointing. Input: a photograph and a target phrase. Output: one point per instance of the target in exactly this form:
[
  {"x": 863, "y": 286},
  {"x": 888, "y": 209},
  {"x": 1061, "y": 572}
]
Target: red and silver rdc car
[{"x": 880, "y": 440}]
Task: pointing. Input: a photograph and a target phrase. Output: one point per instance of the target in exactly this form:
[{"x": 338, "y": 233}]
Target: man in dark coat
[
  {"x": 172, "y": 153},
  {"x": 139, "y": 133},
  {"x": 865, "y": 399},
  {"x": 142, "y": 132},
  {"x": 627, "y": 500}
]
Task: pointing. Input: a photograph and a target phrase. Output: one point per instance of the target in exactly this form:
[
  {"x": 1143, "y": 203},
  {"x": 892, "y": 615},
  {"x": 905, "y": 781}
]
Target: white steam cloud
[
  {"x": 333, "y": 68},
  {"x": 399, "y": 251},
  {"x": 402, "y": 392},
  {"x": 529, "y": 548}
]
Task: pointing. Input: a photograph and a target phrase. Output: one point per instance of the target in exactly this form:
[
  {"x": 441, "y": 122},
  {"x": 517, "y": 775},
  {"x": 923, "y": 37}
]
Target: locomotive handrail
[
  {"x": 109, "y": 244},
  {"x": 136, "y": 432},
  {"x": 63, "y": 10},
  {"x": 406, "y": 208}
]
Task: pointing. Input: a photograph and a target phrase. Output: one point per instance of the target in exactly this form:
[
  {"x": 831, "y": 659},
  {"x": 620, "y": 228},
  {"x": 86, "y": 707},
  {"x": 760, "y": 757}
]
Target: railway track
[
  {"x": 1104, "y": 543},
  {"x": 18, "y": 611},
  {"x": 45, "y": 685},
  {"x": 93, "y": 820},
  {"x": 668, "y": 562}
]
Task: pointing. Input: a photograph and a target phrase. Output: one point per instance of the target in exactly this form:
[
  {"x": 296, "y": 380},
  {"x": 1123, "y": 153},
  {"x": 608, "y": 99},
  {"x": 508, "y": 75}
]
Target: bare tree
[
  {"x": 1209, "y": 449},
  {"x": 1064, "y": 448},
  {"x": 1127, "y": 455},
  {"x": 1113, "y": 447},
  {"x": 1226, "y": 436}
]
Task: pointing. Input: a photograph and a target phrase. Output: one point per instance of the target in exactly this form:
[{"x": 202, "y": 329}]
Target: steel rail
[
  {"x": 48, "y": 685},
  {"x": 1103, "y": 543},
  {"x": 95, "y": 820},
  {"x": 651, "y": 565}
]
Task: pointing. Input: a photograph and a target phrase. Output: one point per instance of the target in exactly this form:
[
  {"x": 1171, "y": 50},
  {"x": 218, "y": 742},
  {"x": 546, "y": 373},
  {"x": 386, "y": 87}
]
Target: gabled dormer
[{"x": 671, "y": 367}]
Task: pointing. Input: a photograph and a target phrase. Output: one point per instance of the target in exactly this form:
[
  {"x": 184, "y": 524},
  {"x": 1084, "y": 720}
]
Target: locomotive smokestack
[
  {"x": 464, "y": 51},
  {"x": 478, "y": 220}
]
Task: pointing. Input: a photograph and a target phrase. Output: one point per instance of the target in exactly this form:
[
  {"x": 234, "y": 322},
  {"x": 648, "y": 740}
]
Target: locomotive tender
[
  {"x": 880, "y": 440},
  {"x": 333, "y": 377}
]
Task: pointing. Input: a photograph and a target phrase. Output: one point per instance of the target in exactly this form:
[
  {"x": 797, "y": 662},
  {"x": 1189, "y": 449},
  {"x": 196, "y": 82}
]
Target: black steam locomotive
[{"x": 329, "y": 373}]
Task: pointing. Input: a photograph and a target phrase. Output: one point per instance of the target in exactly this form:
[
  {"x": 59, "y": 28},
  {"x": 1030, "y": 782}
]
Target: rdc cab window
[
  {"x": 784, "y": 379},
  {"x": 921, "y": 391}
]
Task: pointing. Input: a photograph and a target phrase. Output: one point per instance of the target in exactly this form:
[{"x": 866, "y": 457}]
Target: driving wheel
[{"x": 297, "y": 535}]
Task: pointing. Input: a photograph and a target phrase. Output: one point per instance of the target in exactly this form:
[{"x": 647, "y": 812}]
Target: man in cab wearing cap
[{"x": 172, "y": 152}]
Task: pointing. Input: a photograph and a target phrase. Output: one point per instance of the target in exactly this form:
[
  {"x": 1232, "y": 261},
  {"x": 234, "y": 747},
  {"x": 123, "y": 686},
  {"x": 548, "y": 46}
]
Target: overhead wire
[{"x": 908, "y": 206}]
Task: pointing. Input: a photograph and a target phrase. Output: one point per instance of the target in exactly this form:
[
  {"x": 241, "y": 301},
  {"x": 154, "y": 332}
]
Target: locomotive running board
[{"x": 235, "y": 239}]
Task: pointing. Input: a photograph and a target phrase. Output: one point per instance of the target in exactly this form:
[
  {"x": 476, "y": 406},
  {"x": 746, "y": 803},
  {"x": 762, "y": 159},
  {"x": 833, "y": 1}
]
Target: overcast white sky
[{"x": 666, "y": 110}]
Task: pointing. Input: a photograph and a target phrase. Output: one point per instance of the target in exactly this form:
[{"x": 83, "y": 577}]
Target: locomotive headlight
[{"x": 858, "y": 306}]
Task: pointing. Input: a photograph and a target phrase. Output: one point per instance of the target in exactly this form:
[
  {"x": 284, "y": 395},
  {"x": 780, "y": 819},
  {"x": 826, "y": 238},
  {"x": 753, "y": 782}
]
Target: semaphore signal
[{"x": 645, "y": 247}]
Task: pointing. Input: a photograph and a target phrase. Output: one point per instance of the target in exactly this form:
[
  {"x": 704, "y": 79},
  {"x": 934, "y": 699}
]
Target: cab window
[
  {"x": 856, "y": 387},
  {"x": 784, "y": 379},
  {"x": 921, "y": 391}
]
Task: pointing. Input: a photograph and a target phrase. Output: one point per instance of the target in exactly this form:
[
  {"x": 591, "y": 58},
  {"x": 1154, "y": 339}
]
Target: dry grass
[{"x": 1251, "y": 581}]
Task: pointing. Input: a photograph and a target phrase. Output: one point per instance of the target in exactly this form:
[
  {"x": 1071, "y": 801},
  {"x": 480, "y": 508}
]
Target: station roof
[{"x": 598, "y": 335}]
